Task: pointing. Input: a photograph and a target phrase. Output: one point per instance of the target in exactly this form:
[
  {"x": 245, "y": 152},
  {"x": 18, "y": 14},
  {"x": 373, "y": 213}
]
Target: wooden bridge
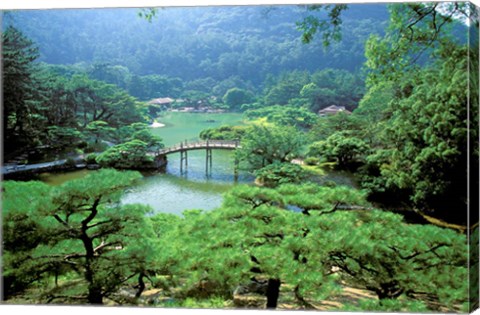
[{"x": 207, "y": 145}]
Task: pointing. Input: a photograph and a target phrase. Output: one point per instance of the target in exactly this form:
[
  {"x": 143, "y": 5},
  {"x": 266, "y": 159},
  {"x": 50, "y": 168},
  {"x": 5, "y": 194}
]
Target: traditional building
[
  {"x": 332, "y": 110},
  {"x": 165, "y": 101}
]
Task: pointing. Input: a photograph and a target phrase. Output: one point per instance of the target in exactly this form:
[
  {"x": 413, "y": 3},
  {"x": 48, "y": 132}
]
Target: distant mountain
[{"x": 192, "y": 43}]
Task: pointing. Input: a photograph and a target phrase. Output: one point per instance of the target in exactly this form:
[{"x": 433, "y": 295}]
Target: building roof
[
  {"x": 333, "y": 109},
  {"x": 162, "y": 101}
]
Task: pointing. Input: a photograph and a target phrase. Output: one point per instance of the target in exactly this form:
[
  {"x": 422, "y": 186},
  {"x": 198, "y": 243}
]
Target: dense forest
[
  {"x": 207, "y": 49},
  {"x": 383, "y": 94}
]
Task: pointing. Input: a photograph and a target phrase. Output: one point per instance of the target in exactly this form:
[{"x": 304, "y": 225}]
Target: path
[{"x": 17, "y": 168}]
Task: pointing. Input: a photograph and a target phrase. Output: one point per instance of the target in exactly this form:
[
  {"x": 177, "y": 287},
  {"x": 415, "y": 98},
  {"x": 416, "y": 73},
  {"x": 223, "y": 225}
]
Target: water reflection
[{"x": 175, "y": 191}]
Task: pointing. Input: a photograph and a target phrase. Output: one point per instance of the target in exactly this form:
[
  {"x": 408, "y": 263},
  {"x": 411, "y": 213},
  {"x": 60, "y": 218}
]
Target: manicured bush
[{"x": 128, "y": 155}]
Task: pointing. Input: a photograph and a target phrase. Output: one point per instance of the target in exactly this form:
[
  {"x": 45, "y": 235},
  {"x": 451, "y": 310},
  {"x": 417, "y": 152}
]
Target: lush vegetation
[
  {"x": 404, "y": 130},
  {"x": 82, "y": 245},
  {"x": 45, "y": 110}
]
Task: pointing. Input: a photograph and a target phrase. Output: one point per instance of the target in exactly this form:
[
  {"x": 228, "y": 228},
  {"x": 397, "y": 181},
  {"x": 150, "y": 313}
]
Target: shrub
[
  {"x": 128, "y": 155},
  {"x": 90, "y": 159}
]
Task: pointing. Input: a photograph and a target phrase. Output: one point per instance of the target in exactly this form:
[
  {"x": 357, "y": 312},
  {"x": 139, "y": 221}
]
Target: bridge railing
[{"x": 200, "y": 144}]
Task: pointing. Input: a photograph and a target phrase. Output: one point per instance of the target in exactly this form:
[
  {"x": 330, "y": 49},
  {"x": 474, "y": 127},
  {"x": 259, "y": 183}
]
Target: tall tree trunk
[
  {"x": 95, "y": 295},
  {"x": 273, "y": 291},
  {"x": 141, "y": 285}
]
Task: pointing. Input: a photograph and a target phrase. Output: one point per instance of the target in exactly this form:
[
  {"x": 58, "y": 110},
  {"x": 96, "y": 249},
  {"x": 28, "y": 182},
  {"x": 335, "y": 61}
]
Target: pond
[
  {"x": 172, "y": 191},
  {"x": 187, "y": 126}
]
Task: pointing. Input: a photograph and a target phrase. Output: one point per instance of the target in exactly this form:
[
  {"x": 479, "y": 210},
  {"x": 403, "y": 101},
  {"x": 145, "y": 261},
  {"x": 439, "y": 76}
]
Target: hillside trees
[
  {"x": 315, "y": 90},
  {"x": 78, "y": 229},
  {"x": 236, "y": 97}
]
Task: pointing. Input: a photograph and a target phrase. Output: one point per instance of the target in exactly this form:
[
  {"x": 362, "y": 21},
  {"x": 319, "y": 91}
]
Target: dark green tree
[
  {"x": 99, "y": 130},
  {"x": 128, "y": 155},
  {"x": 86, "y": 231},
  {"x": 300, "y": 236},
  {"x": 19, "y": 93},
  {"x": 236, "y": 97},
  {"x": 266, "y": 144},
  {"x": 22, "y": 232},
  {"x": 422, "y": 159},
  {"x": 341, "y": 148}
]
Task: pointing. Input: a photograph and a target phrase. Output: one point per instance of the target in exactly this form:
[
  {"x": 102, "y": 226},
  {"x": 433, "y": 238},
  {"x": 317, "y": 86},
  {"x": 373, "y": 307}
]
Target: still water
[{"x": 173, "y": 191}]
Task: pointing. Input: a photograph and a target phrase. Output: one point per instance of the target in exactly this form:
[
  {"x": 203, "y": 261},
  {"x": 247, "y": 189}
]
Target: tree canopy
[{"x": 80, "y": 229}]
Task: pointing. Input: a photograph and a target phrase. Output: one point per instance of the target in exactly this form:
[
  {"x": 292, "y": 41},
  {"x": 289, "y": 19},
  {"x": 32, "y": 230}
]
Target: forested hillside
[{"x": 243, "y": 43}]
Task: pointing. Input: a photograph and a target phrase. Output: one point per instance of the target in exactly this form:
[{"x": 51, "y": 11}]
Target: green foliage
[
  {"x": 21, "y": 234},
  {"x": 333, "y": 87},
  {"x": 91, "y": 158},
  {"x": 18, "y": 55},
  {"x": 99, "y": 129},
  {"x": 285, "y": 88},
  {"x": 280, "y": 173},
  {"x": 391, "y": 258},
  {"x": 264, "y": 145},
  {"x": 44, "y": 108},
  {"x": 128, "y": 155},
  {"x": 424, "y": 154},
  {"x": 196, "y": 99},
  {"x": 224, "y": 133},
  {"x": 97, "y": 100},
  {"x": 241, "y": 44},
  {"x": 236, "y": 97},
  {"x": 210, "y": 303},
  {"x": 387, "y": 305},
  {"x": 62, "y": 137},
  {"x": 335, "y": 231},
  {"x": 153, "y": 86},
  {"x": 85, "y": 233},
  {"x": 330, "y": 29},
  {"x": 340, "y": 122},
  {"x": 152, "y": 141},
  {"x": 415, "y": 31},
  {"x": 339, "y": 147},
  {"x": 284, "y": 115}
]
